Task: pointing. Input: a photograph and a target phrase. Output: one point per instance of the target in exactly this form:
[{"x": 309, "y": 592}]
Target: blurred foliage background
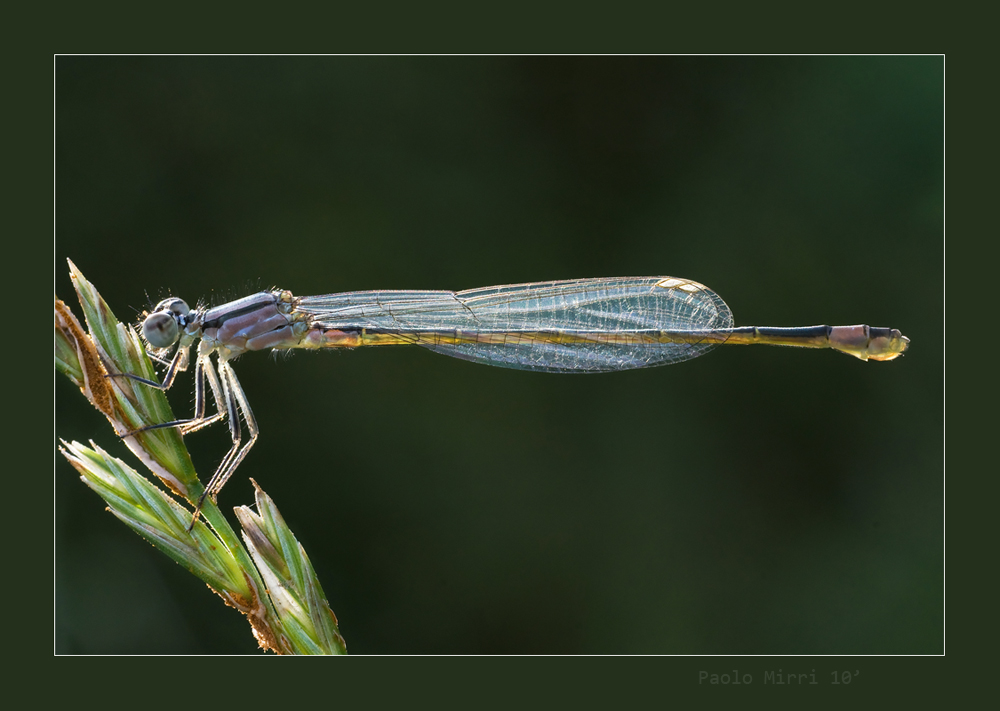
[{"x": 756, "y": 500}]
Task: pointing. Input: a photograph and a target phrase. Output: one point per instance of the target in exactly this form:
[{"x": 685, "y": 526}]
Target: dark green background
[{"x": 756, "y": 500}]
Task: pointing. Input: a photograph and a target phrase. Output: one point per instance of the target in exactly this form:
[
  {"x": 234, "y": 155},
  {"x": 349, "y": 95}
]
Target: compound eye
[
  {"x": 160, "y": 329},
  {"x": 177, "y": 306}
]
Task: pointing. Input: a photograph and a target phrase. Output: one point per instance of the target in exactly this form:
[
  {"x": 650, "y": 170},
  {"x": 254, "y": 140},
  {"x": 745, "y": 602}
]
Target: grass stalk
[{"x": 270, "y": 580}]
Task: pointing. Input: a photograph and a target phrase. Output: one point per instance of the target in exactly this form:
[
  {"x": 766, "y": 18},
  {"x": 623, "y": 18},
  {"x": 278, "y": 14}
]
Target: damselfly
[{"x": 576, "y": 326}]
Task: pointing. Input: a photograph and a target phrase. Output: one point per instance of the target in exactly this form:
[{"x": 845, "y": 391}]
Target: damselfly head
[
  {"x": 173, "y": 305},
  {"x": 162, "y": 328}
]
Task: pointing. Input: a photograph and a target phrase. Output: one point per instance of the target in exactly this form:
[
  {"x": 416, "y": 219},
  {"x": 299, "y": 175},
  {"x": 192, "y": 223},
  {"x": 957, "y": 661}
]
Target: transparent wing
[{"x": 581, "y": 325}]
